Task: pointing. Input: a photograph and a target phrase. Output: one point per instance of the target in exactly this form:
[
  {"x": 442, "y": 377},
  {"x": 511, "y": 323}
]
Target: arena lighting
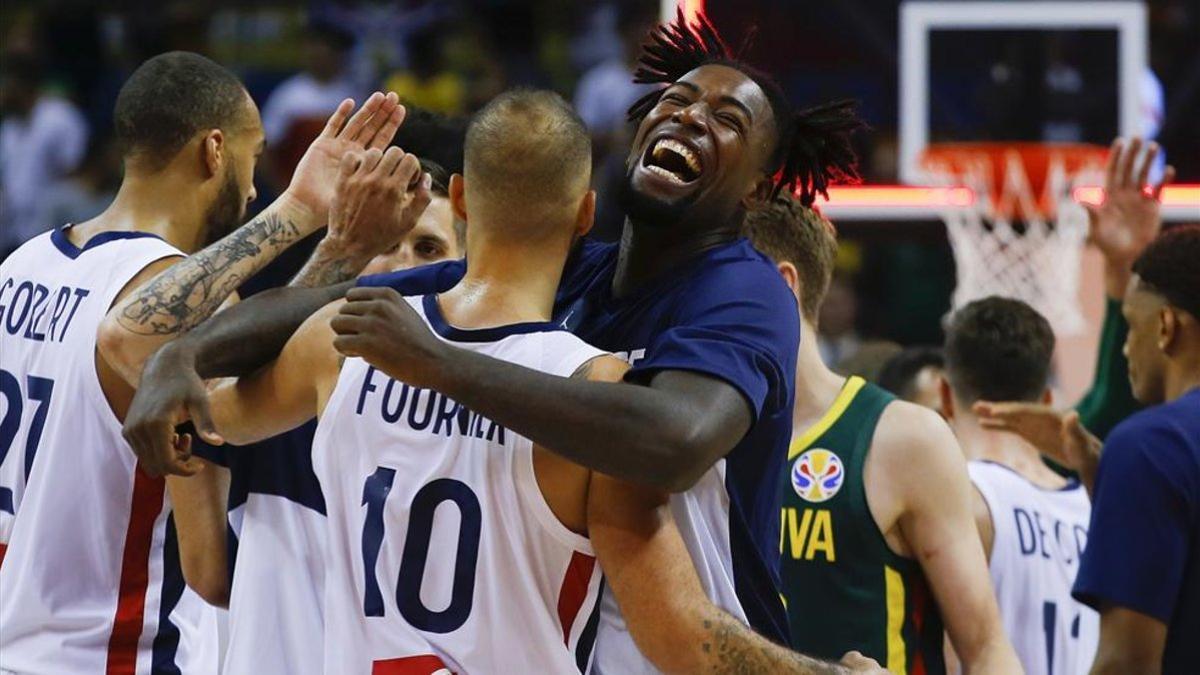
[
  {"x": 904, "y": 202},
  {"x": 692, "y": 9},
  {"x": 898, "y": 196},
  {"x": 1179, "y": 202}
]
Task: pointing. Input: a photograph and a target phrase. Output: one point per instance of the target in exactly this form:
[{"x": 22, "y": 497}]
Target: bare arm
[
  {"x": 1130, "y": 642},
  {"x": 665, "y": 435},
  {"x": 672, "y": 621},
  {"x": 189, "y": 292},
  {"x": 198, "y": 507},
  {"x": 278, "y": 397},
  {"x": 917, "y": 450}
]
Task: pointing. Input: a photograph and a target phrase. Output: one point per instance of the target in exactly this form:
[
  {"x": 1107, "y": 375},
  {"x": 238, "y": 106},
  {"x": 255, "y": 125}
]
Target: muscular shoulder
[
  {"x": 913, "y": 435},
  {"x": 916, "y": 450}
]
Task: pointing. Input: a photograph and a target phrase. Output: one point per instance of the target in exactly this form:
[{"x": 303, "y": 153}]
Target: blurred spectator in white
[
  {"x": 602, "y": 97},
  {"x": 296, "y": 110},
  {"x": 91, "y": 188},
  {"x": 839, "y": 339},
  {"x": 606, "y": 91},
  {"x": 42, "y": 139}
]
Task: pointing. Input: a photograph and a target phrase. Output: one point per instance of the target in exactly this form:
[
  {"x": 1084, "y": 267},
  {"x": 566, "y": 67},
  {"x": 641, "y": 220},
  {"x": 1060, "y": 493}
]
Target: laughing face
[{"x": 700, "y": 151}]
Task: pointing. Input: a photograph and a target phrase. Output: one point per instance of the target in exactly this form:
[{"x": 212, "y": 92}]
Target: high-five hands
[
  {"x": 371, "y": 128},
  {"x": 377, "y": 200}
]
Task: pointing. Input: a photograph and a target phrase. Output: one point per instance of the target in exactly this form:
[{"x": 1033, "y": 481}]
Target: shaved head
[{"x": 528, "y": 162}]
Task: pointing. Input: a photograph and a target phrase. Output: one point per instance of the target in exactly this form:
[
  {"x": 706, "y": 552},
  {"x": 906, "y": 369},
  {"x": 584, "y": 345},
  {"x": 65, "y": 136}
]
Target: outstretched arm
[
  {"x": 276, "y": 398},
  {"x": 665, "y": 435},
  {"x": 670, "y": 618},
  {"x": 914, "y": 448}
]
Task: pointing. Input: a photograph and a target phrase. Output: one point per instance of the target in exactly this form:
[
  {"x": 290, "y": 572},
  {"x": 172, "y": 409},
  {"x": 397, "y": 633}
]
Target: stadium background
[{"x": 895, "y": 278}]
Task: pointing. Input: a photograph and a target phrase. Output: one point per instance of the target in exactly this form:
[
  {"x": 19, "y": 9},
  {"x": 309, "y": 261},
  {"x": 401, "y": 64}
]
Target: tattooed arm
[
  {"x": 669, "y": 616},
  {"x": 371, "y": 210}
]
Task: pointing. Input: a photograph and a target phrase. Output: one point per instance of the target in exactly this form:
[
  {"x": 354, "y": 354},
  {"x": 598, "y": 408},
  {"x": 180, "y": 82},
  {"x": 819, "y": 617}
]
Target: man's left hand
[
  {"x": 378, "y": 325},
  {"x": 372, "y": 127}
]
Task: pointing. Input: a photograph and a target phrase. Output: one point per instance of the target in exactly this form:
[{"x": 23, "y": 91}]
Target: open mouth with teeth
[{"x": 673, "y": 160}]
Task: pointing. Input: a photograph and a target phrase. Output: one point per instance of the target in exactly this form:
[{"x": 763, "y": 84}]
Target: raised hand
[
  {"x": 372, "y": 127},
  {"x": 378, "y": 325},
  {"x": 1129, "y": 218}
]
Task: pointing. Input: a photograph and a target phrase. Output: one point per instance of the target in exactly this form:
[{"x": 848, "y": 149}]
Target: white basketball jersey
[
  {"x": 1039, "y": 536},
  {"x": 442, "y": 552},
  {"x": 90, "y": 582}
]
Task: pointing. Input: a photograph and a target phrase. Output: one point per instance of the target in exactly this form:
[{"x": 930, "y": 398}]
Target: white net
[{"x": 1014, "y": 242}]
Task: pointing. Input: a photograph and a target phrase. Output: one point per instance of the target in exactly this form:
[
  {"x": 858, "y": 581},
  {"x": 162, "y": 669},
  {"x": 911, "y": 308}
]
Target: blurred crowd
[{"x": 62, "y": 64}]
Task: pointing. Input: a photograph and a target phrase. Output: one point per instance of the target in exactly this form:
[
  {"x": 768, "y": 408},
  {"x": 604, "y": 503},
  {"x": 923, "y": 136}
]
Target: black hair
[
  {"x": 998, "y": 349},
  {"x": 813, "y": 147},
  {"x": 1170, "y": 266},
  {"x": 440, "y": 178},
  {"x": 434, "y": 136},
  {"x": 899, "y": 374},
  {"x": 168, "y": 99}
]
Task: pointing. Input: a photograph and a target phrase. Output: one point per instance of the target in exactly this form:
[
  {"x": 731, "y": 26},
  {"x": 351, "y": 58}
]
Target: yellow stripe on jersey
[
  {"x": 896, "y": 651},
  {"x": 849, "y": 391}
]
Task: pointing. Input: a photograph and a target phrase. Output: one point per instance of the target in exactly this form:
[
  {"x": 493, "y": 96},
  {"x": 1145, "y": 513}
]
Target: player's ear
[
  {"x": 212, "y": 148},
  {"x": 1168, "y": 328},
  {"x": 947, "y": 397},
  {"x": 791, "y": 276},
  {"x": 586, "y": 216},
  {"x": 458, "y": 199},
  {"x": 1047, "y": 397},
  {"x": 759, "y": 193}
]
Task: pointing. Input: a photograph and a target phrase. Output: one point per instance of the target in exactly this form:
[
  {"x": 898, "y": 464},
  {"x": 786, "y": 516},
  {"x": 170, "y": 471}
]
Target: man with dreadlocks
[{"x": 709, "y": 327}]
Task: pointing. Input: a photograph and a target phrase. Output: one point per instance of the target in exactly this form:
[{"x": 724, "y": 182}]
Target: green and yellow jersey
[{"x": 844, "y": 587}]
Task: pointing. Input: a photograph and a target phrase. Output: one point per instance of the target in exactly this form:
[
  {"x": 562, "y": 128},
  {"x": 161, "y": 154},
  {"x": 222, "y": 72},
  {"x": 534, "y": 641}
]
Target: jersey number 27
[
  {"x": 39, "y": 390},
  {"x": 416, "y": 551}
]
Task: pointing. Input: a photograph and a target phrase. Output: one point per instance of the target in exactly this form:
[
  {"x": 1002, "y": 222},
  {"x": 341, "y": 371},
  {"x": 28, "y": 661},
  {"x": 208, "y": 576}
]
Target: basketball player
[
  {"x": 873, "y": 558},
  {"x": 93, "y": 576},
  {"x": 277, "y": 508},
  {"x": 1032, "y": 521},
  {"x": 1141, "y": 568},
  {"x": 515, "y": 578},
  {"x": 706, "y": 410}
]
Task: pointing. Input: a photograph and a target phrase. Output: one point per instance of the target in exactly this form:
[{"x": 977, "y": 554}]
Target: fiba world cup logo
[{"x": 818, "y": 475}]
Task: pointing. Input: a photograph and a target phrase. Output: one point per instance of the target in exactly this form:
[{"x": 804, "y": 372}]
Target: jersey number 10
[{"x": 416, "y": 551}]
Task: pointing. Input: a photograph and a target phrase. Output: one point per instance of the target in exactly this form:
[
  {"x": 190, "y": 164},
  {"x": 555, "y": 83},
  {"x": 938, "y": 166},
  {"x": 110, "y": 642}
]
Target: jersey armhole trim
[{"x": 850, "y": 389}]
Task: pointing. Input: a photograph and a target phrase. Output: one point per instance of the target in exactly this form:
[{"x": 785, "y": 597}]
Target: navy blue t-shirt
[
  {"x": 726, "y": 313},
  {"x": 1143, "y": 549}
]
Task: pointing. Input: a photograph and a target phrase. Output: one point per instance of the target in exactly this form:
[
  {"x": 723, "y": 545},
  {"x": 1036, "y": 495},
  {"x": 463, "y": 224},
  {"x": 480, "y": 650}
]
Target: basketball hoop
[{"x": 1023, "y": 235}]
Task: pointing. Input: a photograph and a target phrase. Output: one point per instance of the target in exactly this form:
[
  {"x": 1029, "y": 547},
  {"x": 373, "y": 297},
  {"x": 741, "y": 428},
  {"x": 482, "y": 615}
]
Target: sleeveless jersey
[
  {"x": 727, "y": 314},
  {"x": 90, "y": 582},
  {"x": 277, "y": 517},
  {"x": 1039, "y": 536},
  {"x": 441, "y": 549},
  {"x": 844, "y": 587}
]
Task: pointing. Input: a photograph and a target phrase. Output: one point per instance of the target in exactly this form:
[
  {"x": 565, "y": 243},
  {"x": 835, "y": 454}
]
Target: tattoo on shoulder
[{"x": 189, "y": 292}]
